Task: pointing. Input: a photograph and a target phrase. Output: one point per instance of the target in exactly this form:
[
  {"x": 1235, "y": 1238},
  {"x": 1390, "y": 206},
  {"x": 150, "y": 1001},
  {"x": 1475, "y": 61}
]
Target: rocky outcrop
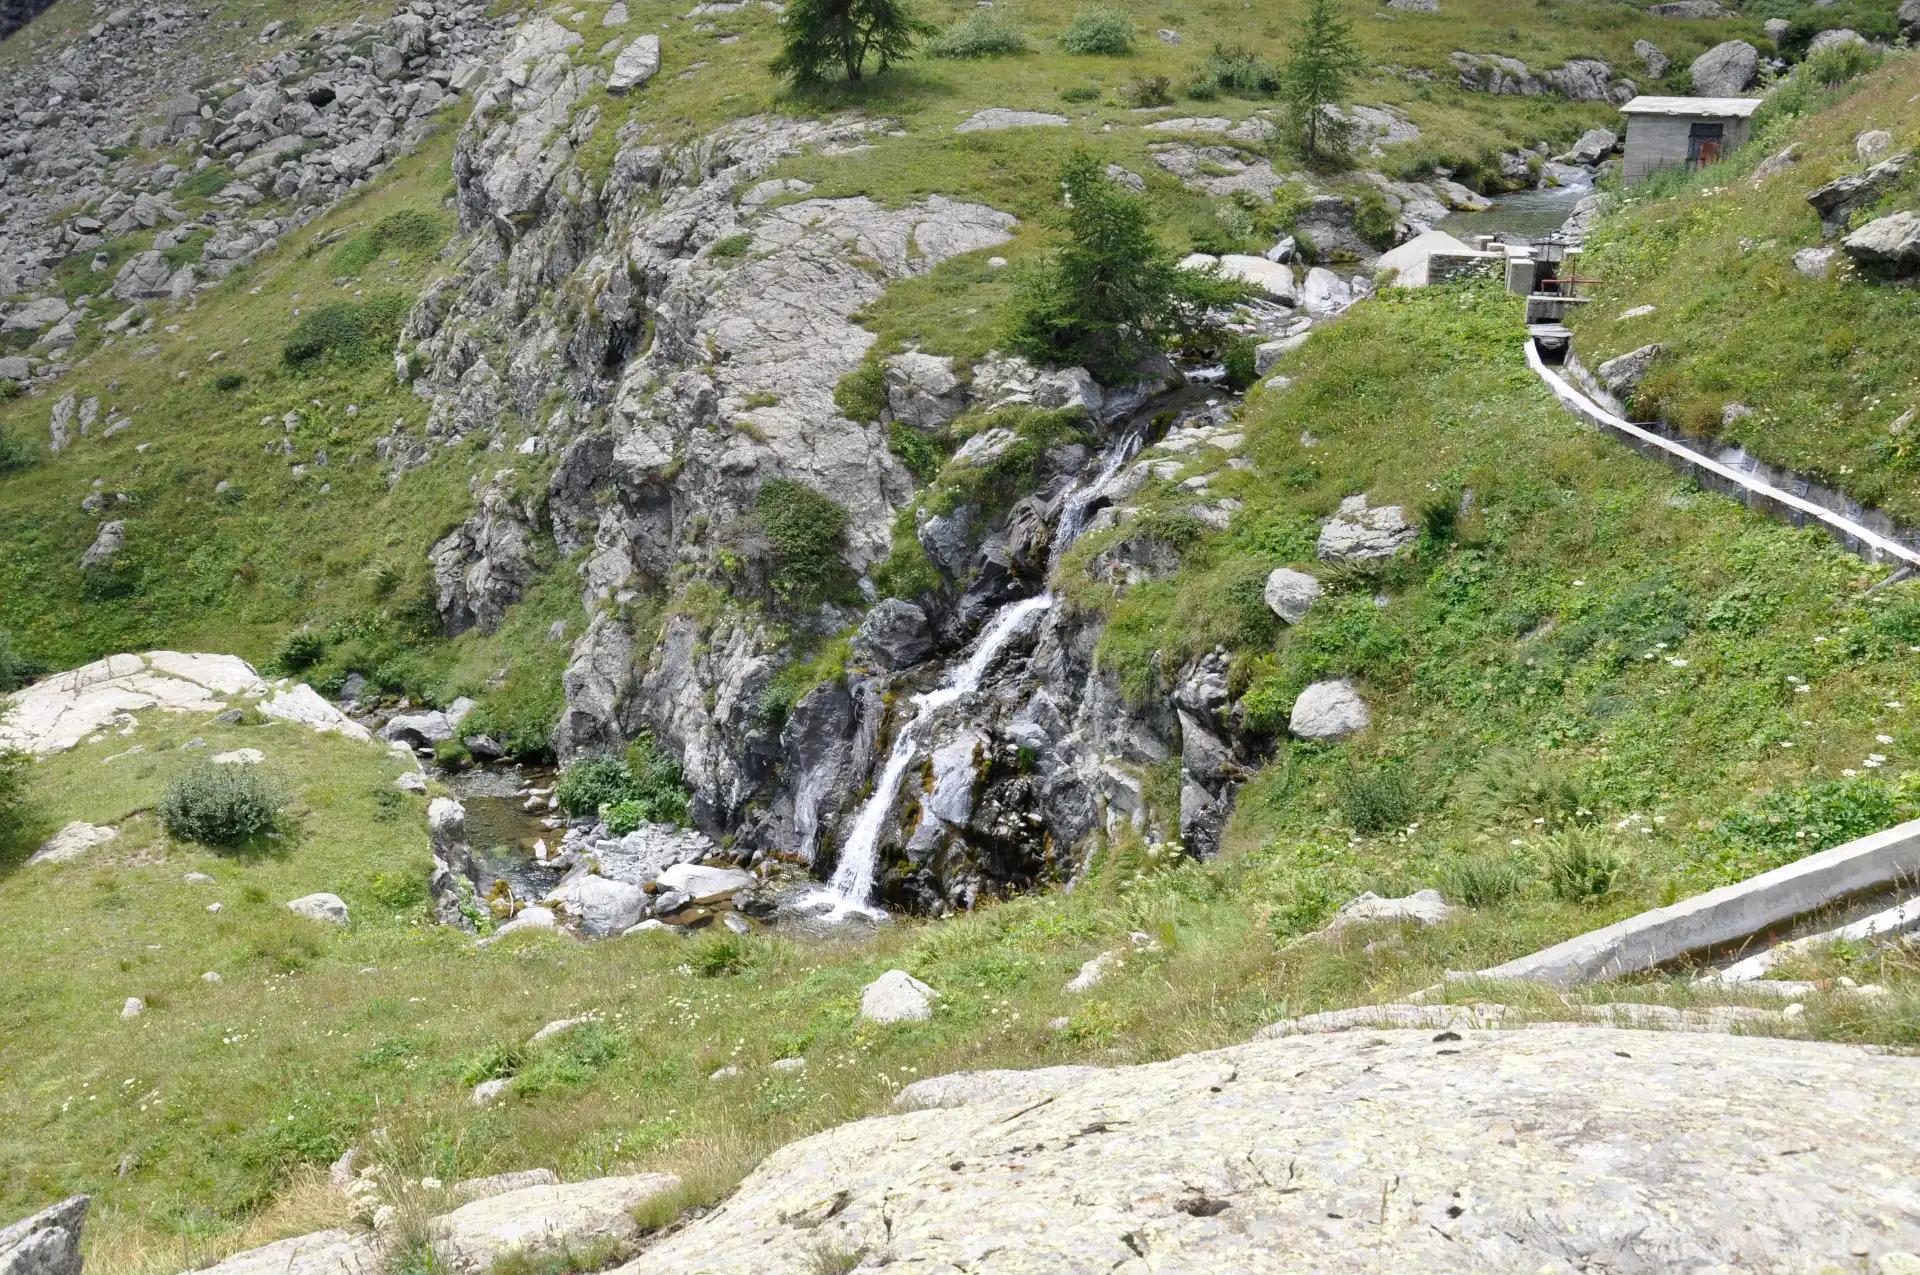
[
  {"x": 1839, "y": 199},
  {"x": 484, "y": 565},
  {"x": 1579, "y": 80},
  {"x": 1725, "y": 70},
  {"x": 1554, "y": 1147},
  {"x": 47, "y": 1243},
  {"x": 1891, "y": 243},
  {"x": 1360, "y": 532}
]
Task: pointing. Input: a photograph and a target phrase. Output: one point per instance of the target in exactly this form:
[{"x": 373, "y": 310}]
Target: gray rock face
[
  {"x": 1291, "y": 594},
  {"x": 482, "y": 567},
  {"x": 922, "y": 390},
  {"x": 1838, "y": 200},
  {"x": 335, "y": 1252},
  {"x": 635, "y": 64},
  {"x": 602, "y": 906},
  {"x": 47, "y": 1243},
  {"x": 1909, "y": 18},
  {"x": 995, "y": 118},
  {"x": 1546, "y": 1148},
  {"x": 895, "y": 635},
  {"x": 1494, "y": 73},
  {"x": 72, "y": 842},
  {"x": 1360, "y": 532},
  {"x": 544, "y": 1219},
  {"x": 1892, "y": 242},
  {"x": 107, "y": 543},
  {"x": 1422, "y": 907},
  {"x": 1725, "y": 70},
  {"x": 1834, "y": 38},
  {"x": 1696, "y": 9},
  {"x": 1622, "y": 376},
  {"x": 1594, "y": 145},
  {"x": 1329, "y": 710},
  {"x": 1582, "y": 80},
  {"x": 1652, "y": 58}
]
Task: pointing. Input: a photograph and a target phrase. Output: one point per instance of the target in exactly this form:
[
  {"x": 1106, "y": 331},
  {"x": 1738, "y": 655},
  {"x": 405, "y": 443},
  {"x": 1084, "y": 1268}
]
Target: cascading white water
[{"x": 852, "y": 884}]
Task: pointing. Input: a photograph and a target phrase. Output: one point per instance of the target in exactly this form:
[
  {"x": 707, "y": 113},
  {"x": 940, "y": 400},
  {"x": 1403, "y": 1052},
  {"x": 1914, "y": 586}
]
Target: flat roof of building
[{"x": 1712, "y": 107}]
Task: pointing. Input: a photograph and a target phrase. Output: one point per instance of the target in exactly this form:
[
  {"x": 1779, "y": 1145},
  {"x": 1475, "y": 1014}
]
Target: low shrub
[
  {"x": 919, "y": 453},
  {"x": 1147, "y": 90},
  {"x": 723, "y": 953},
  {"x": 1098, "y": 29},
  {"x": 1379, "y": 799},
  {"x": 1239, "y": 362},
  {"x": 1582, "y": 866},
  {"x": 16, "y": 669},
  {"x": 645, "y": 786},
  {"x": 206, "y": 183},
  {"x": 408, "y": 232},
  {"x": 733, "y": 247},
  {"x": 16, "y": 452},
  {"x": 861, "y": 394},
  {"x": 298, "y": 651},
  {"x": 1080, "y": 93},
  {"x": 1480, "y": 880},
  {"x": 980, "y": 36},
  {"x": 347, "y": 331},
  {"x": 218, "y": 805},
  {"x": 805, "y": 531},
  {"x": 13, "y": 792},
  {"x": 227, "y": 382},
  {"x": 1234, "y": 70}
]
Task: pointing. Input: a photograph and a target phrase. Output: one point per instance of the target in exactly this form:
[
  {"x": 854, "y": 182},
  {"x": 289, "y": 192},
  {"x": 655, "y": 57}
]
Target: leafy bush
[
  {"x": 805, "y": 531},
  {"x": 1238, "y": 360},
  {"x": 722, "y": 953},
  {"x": 1147, "y": 90},
  {"x": 1113, "y": 293},
  {"x": 299, "y": 650},
  {"x": 1080, "y": 93},
  {"x": 1379, "y": 799},
  {"x": 222, "y": 805},
  {"x": 574, "y": 1059},
  {"x": 1234, "y": 70},
  {"x": 520, "y": 716},
  {"x": 980, "y": 36},
  {"x": 819, "y": 36},
  {"x": 407, "y": 233},
  {"x": 13, "y": 791},
  {"x": 1098, "y": 29},
  {"x": 643, "y": 787},
  {"x": 1582, "y": 866},
  {"x": 16, "y": 453},
  {"x": 1373, "y": 221},
  {"x": 920, "y": 454},
  {"x": 861, "y": 394},
  {"x": 1479, "y": 880},
  {"x": 16, "y": 670},
  {"x": 347, "y": 331},
  {"x": 1795, "y": 822},
  {"x": 227, "y": 382}
]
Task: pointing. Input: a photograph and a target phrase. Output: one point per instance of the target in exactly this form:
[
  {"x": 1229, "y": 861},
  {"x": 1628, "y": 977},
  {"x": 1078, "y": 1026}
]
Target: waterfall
[{"x": 852, "y": 883}]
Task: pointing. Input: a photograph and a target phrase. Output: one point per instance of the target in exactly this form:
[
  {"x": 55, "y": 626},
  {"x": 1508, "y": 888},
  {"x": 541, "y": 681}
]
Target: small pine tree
[
  {"x": 819, "y": 35},
  {"x": 1323, "y": 59},
  {"x": 1113, "y": 293}
]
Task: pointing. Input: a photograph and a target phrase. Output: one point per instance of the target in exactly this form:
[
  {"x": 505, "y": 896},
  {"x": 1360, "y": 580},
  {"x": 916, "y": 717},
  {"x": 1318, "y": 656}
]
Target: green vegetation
[
  {"x": 1320, "y": 66},
  {"x": 1235, "y": 70},
  {"x": 347, "y": 331},
  {"x": 823, "y": 35},
  {"x": 222, "y": 805},
  {"x": 980, "y": 35},
  {"x": 1098, "y": 29},
  {"x": 1816, "y": 373},
  {"x": 408, "y": 232},
  {"x": 644, "y": 786},
  {"x": 13, "y": 796},
  {"x": 805, "y": 532},
  {"x": 16, "y": 668},
  {"x": 16, "y": 453},
  {"x": 1112, "y": 293}
]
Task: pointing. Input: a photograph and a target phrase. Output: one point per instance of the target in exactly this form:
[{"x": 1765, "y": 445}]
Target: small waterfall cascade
[{"x": 851, "y": 886}]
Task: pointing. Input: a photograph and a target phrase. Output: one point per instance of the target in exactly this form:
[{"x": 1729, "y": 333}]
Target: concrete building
[{"x": 1666, "y": 132}]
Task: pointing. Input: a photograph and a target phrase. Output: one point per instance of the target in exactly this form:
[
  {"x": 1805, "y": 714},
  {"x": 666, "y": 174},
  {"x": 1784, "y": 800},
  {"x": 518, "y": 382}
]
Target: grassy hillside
[
  {"x": 1825, "y": 365},
  {"x": 1580, "y": 687},
  {"x": 1595, "y": 688}
]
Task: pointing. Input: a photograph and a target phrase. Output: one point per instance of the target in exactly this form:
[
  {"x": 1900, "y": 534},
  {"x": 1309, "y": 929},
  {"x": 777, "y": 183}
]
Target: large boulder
[
  {"x": 145, "y": 277},
  {"x": 1329, "y": 711},
  {"x": 1495, "y": 73},
  {"x": 635, "y": 65},
  {"x": 545, "y": 1220},
  {"x": 1725, "y": 69},
  {"x": 1652, "y": 58},
  {"x": 1889, "y": 242},
  {"x": 107, "y": 543},
  {"x": 1360, "y": 532},
  {"x": 1556, "y": 1148},
  {"x": 922, "y": 390},
  {"x": 1622, "y": 376},
  {"x": 897, "y": 997},
  {"x": 704, "y": 884},
  {"x": 328, "y": 909},
  {"x": 603, "y": 907},
  {"x": 335, "y": 1252},
  {"x": 1325, "y": 293},
  {"x": 1594, "y": 145},
  {"x": 1421, "y": 908},
  {"x": 1835, "y": 38},
  {"x": 1839, "y": 199},
  {"x": 1291, "y": 594},
  {"x": 47, "y": 1243},
  {"x": 894, "y": 635}
]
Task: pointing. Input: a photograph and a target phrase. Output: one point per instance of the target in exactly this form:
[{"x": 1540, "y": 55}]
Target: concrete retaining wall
[
  {"x": 1711, "y": 474},
  {"x": 1723, "y": 917}
]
